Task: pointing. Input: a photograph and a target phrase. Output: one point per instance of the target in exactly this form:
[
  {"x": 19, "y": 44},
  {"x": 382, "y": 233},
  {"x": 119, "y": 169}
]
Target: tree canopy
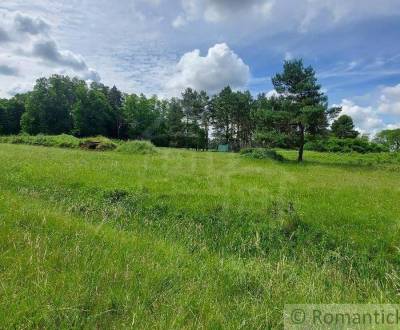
[
  {"x": 303, "y": 105},
  {"x": 343, "y": 127},
  {"x": 390, "y": 138}
]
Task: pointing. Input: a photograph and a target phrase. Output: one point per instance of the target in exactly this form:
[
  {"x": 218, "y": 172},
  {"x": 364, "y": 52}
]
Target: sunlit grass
[{"x": 182, "y": 239}]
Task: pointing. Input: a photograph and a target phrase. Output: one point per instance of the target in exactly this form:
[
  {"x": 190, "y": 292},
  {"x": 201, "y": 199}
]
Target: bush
[
  {"x": 261, "y": 153},
  {"x": 333, "y": 144},
  {"x": 99, "y": 143},
  {"x": 137, "y": 147}
]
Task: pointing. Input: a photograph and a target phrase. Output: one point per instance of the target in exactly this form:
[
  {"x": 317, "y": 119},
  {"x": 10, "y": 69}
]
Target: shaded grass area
[{"x": 186, "y": 240}]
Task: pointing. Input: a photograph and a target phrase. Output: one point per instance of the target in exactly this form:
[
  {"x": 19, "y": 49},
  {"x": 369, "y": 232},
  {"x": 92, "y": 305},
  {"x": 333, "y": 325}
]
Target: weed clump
[
  {"x": 61, "y": 141},
  {"x": 99, "y": 143},
  {"x": 137, "y": 147},
  {"x": 261, "y": 153}
]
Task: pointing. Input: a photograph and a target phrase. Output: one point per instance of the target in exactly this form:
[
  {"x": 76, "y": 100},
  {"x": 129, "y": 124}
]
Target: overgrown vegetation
[
  {"x": 345, "y": 145},
  {"x": 260, "y": 153},
  {"x": 62, "y": 141},
  {"x": 181, "y": 239},
  {"x": 137, "y": 147},
  {"x": 99, "y": 143}
]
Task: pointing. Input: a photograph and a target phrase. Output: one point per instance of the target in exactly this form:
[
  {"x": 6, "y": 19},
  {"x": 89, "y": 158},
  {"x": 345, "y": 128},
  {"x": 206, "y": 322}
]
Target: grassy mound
[
  {"x": 62, "y": 141},
  {"x": 99, "y": 143},
  {"x": 137, "y": 147},
  {"x": 260, "y": 153}
]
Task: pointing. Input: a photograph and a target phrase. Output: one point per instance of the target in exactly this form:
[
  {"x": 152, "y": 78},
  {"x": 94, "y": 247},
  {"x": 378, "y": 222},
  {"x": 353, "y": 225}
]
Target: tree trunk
[
  {"x": 301, "y": 147},
  {"x": 206, "y": 131}
]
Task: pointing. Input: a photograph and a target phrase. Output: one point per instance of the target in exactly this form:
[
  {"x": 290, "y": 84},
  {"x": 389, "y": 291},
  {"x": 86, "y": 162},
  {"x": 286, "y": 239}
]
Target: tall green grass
[
  {"x": 137, "y": 147},
  {"x": 180, "y": 239},
  {"x": 62, "y": 141}
]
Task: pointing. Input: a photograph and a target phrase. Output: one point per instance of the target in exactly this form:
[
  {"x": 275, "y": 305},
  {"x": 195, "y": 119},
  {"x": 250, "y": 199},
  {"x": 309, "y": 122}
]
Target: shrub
[
  {"x": 333, "y": 144},
  {"x": 260, "y": 153},
  {"x": 137, "y": 147},
  {"x": 99, "y": 143}
]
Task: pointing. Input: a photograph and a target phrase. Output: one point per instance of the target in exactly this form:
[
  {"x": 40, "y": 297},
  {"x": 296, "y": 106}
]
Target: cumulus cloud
[
  {"x": 7, "y": 70},
  {"x": 280, "y": 14},
  {"x": 220, "y": 10},
  {"x": 219, "y": 68},
  {"x": 19, "y": 88},
  {"x": 30, "y": 25},
  {"x": 48, "y": 50},
  {"x": 371, "y": 119},
  {"x": 272, "y": 93},
  {"x": 390, "y": 100},
  {"x": 4, "y": 37},
  {"x": 366, "y": 119},
  {"x": 179, "y": 22},
  {"x": 30, "y": 45}
]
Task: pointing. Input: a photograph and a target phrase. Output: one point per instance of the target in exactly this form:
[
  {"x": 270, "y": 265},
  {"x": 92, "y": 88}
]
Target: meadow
[{"x": 178, "y": 239}]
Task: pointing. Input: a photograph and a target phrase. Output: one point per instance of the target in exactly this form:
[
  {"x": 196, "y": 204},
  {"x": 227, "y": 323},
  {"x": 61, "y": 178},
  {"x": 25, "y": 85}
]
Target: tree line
[{"x": 298, "y": 114}]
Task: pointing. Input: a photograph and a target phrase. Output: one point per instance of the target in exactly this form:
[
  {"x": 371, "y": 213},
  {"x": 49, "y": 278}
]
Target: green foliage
[
  {"x": 137, "y": 147},
  {"x": 260, "y": 153},
  {"x": 331, "y": 144},
  {"x": 10, "y": 115},
  {"x": 91, "y": 113},
  {"x": 343, "y": 128},
  {"x": 99, "y": 143},
  {"x": 389, "y": 138},
  {"x": 141, "y": 116},
  {"x": 231, "y": 117},
  {"x": 196, "y": 119},
  {"x": 62, "y": 141},
  {"x": 48, "y": 106},
  {"x": 301, "y": 101}
]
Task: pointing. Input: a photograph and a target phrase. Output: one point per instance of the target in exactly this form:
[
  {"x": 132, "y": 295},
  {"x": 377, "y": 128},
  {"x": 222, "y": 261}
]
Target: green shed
[{"x": 223, "y": 148}]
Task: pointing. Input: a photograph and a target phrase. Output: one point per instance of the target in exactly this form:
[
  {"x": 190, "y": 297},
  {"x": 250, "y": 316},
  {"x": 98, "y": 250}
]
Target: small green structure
[{"x": 223, "y": 148}]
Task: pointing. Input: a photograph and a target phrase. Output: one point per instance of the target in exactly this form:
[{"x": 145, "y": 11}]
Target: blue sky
[{"x": 160, "y": 47}]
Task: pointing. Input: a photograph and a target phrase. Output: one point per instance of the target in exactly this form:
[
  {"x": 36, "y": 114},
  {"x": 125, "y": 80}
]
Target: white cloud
[
  {"x": 390, "y": 100},
  {"x": 19, "y": 88},
  {"x": 288, "y": 56},
  {"x": 366, "y": 119},
  {"x": 216, "y": 11},
  {"x": 309, "y": 14},
  {"x": 371, "y": 119},
  {"x": 30, "y": 25},
  {"x": 179, "y": 22},
  {"x": 4, "y": 37},
  {"x": 8, "y": 70},
  {"x": 219, "y": 68},
  {"x": 271, "y": 93},
  {"x": 265, "y": 8},
  {"x": 48, "y": 51},
  {"x": 28, "y": 51}
]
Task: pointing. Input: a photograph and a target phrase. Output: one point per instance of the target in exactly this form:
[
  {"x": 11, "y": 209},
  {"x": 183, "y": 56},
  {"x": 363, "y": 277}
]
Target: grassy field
[{"x": 195, "y": 240}]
